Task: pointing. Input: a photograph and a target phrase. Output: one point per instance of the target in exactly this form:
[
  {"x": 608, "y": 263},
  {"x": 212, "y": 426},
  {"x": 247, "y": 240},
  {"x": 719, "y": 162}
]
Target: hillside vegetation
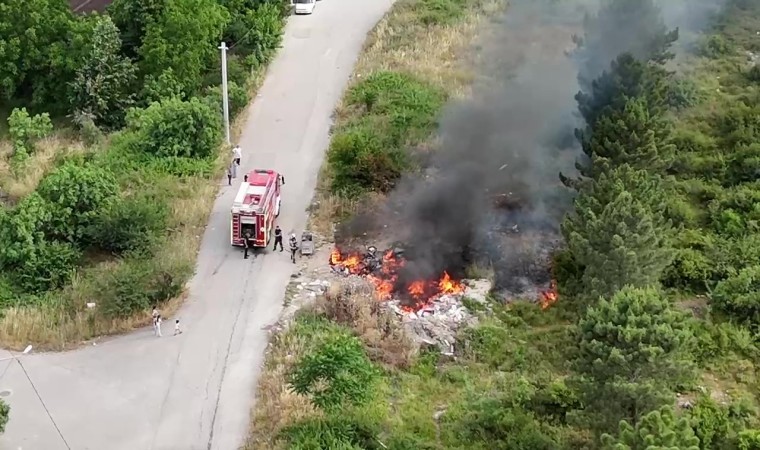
[
  {"x": 654, "y": 341},
  {"x": 111, "y": 155}
]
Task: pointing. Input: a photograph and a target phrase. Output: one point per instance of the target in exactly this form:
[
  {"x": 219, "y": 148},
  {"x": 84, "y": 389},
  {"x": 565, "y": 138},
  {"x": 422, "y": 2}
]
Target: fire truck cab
[{"x": 256, "y": 205}]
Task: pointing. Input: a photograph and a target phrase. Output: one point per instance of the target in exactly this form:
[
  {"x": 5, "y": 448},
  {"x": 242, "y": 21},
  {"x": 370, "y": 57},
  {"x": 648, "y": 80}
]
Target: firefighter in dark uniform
[
  {"x": 247, "y": 244},
  {"x": 293, "y": 247},
  {"x": 277, "y": 237}
]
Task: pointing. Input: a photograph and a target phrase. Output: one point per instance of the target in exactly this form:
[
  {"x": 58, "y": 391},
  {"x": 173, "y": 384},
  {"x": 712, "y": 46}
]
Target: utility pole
[{"x": 225, "y": 98}]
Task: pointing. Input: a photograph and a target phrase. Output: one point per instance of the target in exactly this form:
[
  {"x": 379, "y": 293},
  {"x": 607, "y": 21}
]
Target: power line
[{"x": 44, "y": 406}]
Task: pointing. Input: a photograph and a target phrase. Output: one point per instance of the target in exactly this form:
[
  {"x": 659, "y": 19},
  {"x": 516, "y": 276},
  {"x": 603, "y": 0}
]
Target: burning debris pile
[{"x": 383, "y": 271}]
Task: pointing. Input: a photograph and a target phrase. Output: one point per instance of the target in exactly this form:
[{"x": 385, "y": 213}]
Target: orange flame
[
  {"x": 422, "y": 291},
  {"x": 549, "y": 297}
]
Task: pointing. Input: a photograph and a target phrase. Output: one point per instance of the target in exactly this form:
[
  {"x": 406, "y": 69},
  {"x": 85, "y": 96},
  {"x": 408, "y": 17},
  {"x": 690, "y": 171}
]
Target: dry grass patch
[
  {"x": 17, "y": 184},
  {"x": 378, "y": 328}
]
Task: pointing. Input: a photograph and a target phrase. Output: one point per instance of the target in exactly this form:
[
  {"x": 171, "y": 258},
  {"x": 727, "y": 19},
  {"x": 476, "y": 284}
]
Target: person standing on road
[
  {"x": 229, "y": 175},
  {"x": 158, "y": 325},
  {"x": 154, "y": 316},
  {"x": 246, "y": 244},
  {"x": 277, "y": 237},
  {"x": 293, "y": 247},
  {"x": 176, "y": 328},
  {"x": 237, "y": 154}
]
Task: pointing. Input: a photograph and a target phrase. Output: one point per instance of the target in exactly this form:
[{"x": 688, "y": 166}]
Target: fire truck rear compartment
[{"x": 248, "y": 224}]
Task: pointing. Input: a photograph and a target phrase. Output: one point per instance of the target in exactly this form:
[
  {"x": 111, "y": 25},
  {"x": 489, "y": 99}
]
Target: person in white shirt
[
  {"x": 158, "y": 325},
  {"x": 176, "y": 328},
  {"x": 238, "y": 154}
]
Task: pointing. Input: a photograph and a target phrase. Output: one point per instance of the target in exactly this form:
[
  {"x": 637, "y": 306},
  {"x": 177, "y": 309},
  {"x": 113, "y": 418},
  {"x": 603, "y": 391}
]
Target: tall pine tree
[
  {"x": 632, "y": 351},
  {"x": 617, "y": 233}
]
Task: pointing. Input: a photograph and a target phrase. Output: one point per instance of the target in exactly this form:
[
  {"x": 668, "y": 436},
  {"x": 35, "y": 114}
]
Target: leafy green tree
[
  {"x": 5, "y": 412},
  {"x": 77, "y": 194},
  {"x": 623, "y": 26},
  {"x": 185, "y": 39},
  {"x": 256, "y": 27},
  {"x": 617, "y": 233},
  {"x": 631, "y": 352},
  {"x": 631, "y": 135},
  {"x": 658, "y": 430},
  {"x": 22, "y": 230},
  {"x": 24, "y": 130},
  {"x": 51, "y": 266},
  {"x": 337, "y": 374},
  {"x": 176, "y": 128},
  {"x": 103, "y": 82},
  {"x": 32, "y": 43},
  {"x": 739, "y": 295},
  {"x": 132, "y": 18}
]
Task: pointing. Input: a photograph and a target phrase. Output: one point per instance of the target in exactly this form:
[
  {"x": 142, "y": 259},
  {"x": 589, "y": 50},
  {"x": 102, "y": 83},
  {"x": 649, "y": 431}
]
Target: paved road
[{"x": 193, "y": 391}]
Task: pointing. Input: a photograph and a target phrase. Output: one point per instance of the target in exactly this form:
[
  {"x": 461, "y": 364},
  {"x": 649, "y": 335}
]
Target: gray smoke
[{"x": 491, "y": 192}]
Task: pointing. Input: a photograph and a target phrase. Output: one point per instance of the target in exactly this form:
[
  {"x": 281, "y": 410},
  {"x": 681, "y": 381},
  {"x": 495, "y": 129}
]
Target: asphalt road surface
[{"x": 194, "y": 391}]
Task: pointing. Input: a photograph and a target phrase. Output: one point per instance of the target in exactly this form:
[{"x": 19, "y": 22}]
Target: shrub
[
  {"x": 658, "y": 429},
  {"x": 497, "y": 423},
  {"x": 338, "y": 373},
  {"x": 394, "y": 110},
  {"x": 334, "y": 433},
  {"x": 24, "y": 130},
  {"x": 137, "y": 284},
  {"x": 361, "y": 162},
  {"x": 176, "y": 128},
  {"x": 715, "y": 46},
  {"x": 162, "y": 86},
  {"x": 132, "y": 224},
  {"x": 440, "y": 12},
  {"x": 710, "y": 423},
  {"x": 739, "y": 295},
  {"x": 258, "y": 31},
  {"x": 749, "y": 440},
  {"x": 5, "y": 412},
  {"x": 51, "y": 267},
  {"x": 21, "y": 230},
  {"x": 76, "y": 192},
  {"x": 238, "y": 97}
]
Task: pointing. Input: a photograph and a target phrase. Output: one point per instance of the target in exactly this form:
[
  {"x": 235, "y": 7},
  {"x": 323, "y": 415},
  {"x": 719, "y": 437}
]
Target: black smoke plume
[{"x": 490, "y": 193}]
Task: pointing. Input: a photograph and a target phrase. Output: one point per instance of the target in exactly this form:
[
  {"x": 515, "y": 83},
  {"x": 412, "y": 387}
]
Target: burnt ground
[{"x": 86, "y": 6}]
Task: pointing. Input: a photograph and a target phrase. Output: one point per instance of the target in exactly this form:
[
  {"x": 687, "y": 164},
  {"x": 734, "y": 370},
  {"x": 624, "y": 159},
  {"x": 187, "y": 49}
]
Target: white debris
[{"x": 91, "y": 305}]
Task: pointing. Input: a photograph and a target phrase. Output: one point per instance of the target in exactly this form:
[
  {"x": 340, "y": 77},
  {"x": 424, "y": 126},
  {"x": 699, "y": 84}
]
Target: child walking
[{"x": 176, "y": 328}]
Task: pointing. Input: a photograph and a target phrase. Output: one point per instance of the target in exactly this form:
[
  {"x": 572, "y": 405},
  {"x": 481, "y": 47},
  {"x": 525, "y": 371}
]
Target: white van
[{"x": 305, "y": 6}]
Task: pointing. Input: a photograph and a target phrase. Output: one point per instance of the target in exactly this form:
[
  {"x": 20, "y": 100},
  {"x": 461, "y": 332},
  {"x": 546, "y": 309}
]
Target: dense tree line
[{"x": 147, "y": 71}]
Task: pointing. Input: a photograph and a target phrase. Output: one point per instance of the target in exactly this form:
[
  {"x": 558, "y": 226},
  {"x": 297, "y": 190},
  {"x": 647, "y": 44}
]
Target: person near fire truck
[
  {"x": 277, "y": 237},
  {"x": 293, "y": 247},
  {"x": 247, "y": 244},
  {"x": 237, "y": 154}
]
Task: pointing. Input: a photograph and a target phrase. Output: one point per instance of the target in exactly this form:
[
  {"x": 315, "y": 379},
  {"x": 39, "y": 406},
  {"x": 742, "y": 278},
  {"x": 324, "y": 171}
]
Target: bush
[
  {"x": 334, "y": 433},
  {"x": 393, "y": 110},
  {"x": 749, "y": 440},
  {"x": 715, "y": 46},
  {"x": 133, "y": 224},
  {"x": 257, "y": 31},
  {"x": 361, "y": 162},
  {"x": 24, "y": 130},
  {"x": 137, "y": 284},
  {"x": 498, "y": 424},
  {"x": 338, "y": 373},
  {"x": 440, "y": 12},
  {"x": 176, "y": 128},
  {"x": 739, "y": 296},
  {"x": 51, "y": 267},
  {"x": 710, "y": 423},
  {"x": 5, "y": 412},
  {"x": 77, "y": 193},
  {"x": 238, "y": 97}
]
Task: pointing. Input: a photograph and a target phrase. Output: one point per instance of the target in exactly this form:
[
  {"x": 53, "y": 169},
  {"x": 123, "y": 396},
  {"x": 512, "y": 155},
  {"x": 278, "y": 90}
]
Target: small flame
[
  {"x": 417, "y": 289},
  {"x": 448, "y": 286},
  {"x": 549, "y": 297},
  {"x": 335, "y": 257}
]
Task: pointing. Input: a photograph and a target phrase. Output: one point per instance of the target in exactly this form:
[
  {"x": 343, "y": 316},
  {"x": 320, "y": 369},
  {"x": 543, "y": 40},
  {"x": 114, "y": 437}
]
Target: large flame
[{"x": 384, "y": 280}]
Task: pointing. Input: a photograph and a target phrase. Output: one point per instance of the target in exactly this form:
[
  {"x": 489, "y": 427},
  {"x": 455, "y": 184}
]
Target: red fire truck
[{"x": 256, "y": 205}]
